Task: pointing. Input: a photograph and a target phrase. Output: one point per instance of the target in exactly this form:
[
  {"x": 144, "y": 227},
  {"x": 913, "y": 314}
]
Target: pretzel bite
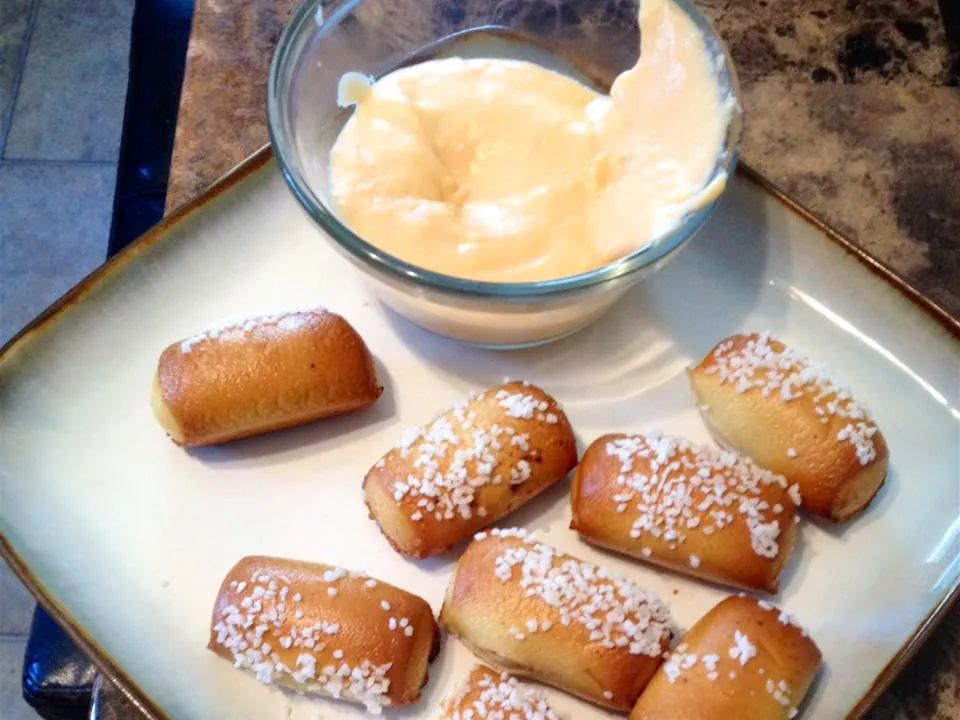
[
  {"x": 262, "y": 374},
  {"x": 795, "y": 418},
  {"x": 487, "y": 693},
  {"x": 473, "y": 465},
  {"x": 695, "y": 510},
  {"x": 324, "y": 630},
  {"x": 536, "y": 612},
  {"x": 744, "y": 659}
]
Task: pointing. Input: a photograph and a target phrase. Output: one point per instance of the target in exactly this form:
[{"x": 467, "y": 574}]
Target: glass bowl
[{"x": 593, "y": 40}]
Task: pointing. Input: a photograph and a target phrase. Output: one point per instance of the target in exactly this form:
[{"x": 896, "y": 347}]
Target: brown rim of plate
[
  {"x": 71, "y": 627},
  {"x": 258, "y": 160}
]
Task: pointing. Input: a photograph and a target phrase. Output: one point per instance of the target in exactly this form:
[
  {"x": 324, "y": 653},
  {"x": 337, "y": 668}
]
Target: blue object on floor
[
  {"x": 57, "y": 676},
  {"x": 158, "y": 51}
]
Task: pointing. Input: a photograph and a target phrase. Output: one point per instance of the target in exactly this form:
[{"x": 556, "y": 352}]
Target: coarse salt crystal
[
  {"x": 742, "y": 649},
  {"x": 333, "y": 574},
  {"x": 794, "y": 491}
]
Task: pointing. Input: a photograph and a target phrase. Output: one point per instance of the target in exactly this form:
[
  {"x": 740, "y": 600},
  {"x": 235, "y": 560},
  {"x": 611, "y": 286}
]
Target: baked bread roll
[
  {"x": 696, "y": 510},
  {"x": 795, "y": 418},
  {"x": 262, "y": 374},
  {"x": 474, "y": 464},
  {"x": 744, "y": 659},
  {"x": 534, "y": 611},
  {"x": 322, "y": 629},
  {"x": 491, "y": 694}
]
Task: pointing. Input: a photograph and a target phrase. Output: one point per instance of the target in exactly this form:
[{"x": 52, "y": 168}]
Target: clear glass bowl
[{"x": 593, "y": 40}]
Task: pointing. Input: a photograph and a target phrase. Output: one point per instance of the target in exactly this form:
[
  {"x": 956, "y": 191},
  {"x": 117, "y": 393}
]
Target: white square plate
[{"x": 127, "y": 536}]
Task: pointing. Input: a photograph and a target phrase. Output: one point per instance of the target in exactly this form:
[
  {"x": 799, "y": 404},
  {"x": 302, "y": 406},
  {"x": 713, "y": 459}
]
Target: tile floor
[{"x": 63, "y": 80}]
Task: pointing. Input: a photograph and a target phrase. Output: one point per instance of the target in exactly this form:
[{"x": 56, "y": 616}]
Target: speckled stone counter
[{"x": 852, "y": 108}]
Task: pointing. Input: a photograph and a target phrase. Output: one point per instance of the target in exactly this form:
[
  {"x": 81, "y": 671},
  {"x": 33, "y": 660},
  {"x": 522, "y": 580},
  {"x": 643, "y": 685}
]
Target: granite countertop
[{"x": 852, "y": 108}]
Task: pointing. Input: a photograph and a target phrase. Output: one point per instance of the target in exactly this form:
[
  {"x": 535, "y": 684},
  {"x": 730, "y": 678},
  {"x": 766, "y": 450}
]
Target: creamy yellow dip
[{"x": 503, "y": 170}]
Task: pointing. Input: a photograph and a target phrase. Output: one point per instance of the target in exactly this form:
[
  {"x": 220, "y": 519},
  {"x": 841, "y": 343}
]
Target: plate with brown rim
[{"x": 125, "y": 537}]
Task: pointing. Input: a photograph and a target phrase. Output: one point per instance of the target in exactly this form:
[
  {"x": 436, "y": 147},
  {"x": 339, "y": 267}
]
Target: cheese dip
[{"x": 505, "y": 171}]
